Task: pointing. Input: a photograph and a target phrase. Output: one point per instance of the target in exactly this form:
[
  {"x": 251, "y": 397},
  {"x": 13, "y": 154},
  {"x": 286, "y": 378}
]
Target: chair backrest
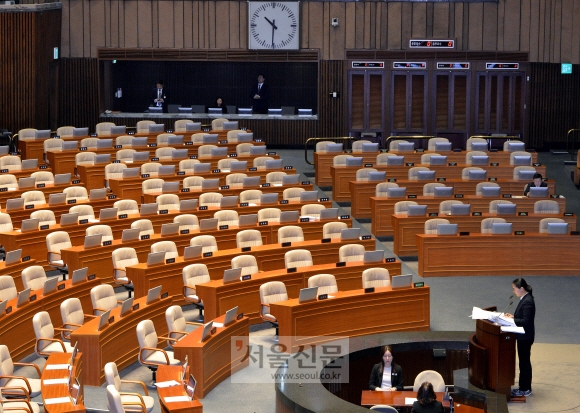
[
  {"x": 210, "y": 199},
  {"x": 431, "y": 376},
  {"x": 126, "y": 206},
  {"x": 204, "y": 151},
  {"x": 493, "y": 204},
  {"x": 8, "y": 289},
  {"x": 376, "y": 277},
  {"x": 487, "y": 223},
  {"x": 164, "y": 153},
  {"x": 445, "y": 206},
  {"x": 413, "y": 173},
  {"x": 34, "y": 277},
  {"x": 235, "y": 180},
  {"x": 470, "y": 141},
  {"x": 232, "y": 135},
  {"x": 163, "y": 138},
  {"x": 44, "y": 216},
  {"x": 292, "y": 194},
  {"x": 243, "y": 149},
  {"x": 103, "y": 297},
  {"x": 125, "y": 155},
  {"x": 403, "y": 206},
  {"x": 272, "y": 292},
  {"x": 186, "y": 165},
  {"x": 426, "y": 157},
  {"x": 114, "y": 170},
  {"x": 168, "y": 247},
  {"x": 52, "y": 144},
  {"x": 506, "y": 144},
  {"x": 362, "y": 175},
  {"x": 151, "y": 168},
  {"x": 260, "y": 161},
  {"x": 248, "y": 238},
  {"x": 471, "y": 154},
  {"x": 546, "y": 206},
  {"x": 43, "y": 328},
  {"x": 84, "y": 211},
  {"x": 193, "y": 182},
  {"x": 432, "y": 143},
  {"x": 351, "y": 252},
  {"x": 144, "y": 226},
  {"x": 465, "y": 171},
  {"x": 175, "y": 318},
  {"x": 429, "y": 189},
  {"x": 85, "y": 158},
  {"x": 194, "y": 274},
  {"x": 104, "y": 128},
  {"x": 340, "y": 160},
  {"x": 147, "y": 337},
  {"x": 394, "y": 144},
  {"x": 112, "y": 375},
  {"x": 152, "y": 185},
  {"x": 5, "y": 222},
  {"x": 480, "y": 185},
  {"x": 518, "y": 169},
  {"x": 227, "y": 217},
  {"x": 43, "y": 177},
  {"x": 124, "y": 257},
  {"x": 124, "y": 140},
  {"x": 57, "y": 240},
  {"x": 431, "y": 225},
  {"x": 71, "y": 311},
  {"x": 543, "y": 228},
  {"x": 326, "y": 283},
  {"x": 114, "y": 402},
  {"x": 290, "y": 233},
  {"x": 218, "y": 124},
  {"x": 167, "y": 201},
  {"x": 187, "y": 221},
  {"x": 143, "y": 126},
  {"x": 207, "y": 242},
  {"x": 28, "y": 133},
  {"x": 247, "y": 263},
  {"x": 333, "y": 229},
  {"x": 269, "y": 214},
  {"x": 11, "y": 162},
  {"x": 312, "y": 210},
  {"x": 381, "y": 189},
  {"x": 34, "y": 198},
  {"x": 251, "y": 196},
  {"x": 275, "y": 178},
  {"x": 321, "y": 146},
  {"x": 76, "y": 192},
  {"x": 298, "y": 258}
]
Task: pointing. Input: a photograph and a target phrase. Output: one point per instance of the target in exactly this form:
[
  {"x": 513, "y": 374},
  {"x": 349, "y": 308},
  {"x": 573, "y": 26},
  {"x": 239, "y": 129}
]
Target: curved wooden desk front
[
  {"x": 15, "y": 271},
  {"x": 219, "y": 297},
  {"x": 168, "y": 373},
  {"x": 397, "y": 399},
  {"x": 47, "y": 189},
  {"x": 54, "y": 391}
]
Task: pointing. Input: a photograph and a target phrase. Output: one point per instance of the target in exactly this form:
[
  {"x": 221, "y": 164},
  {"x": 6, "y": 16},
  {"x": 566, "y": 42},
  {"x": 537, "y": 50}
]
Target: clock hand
[
  {"x": 273, "y": 23},
  {"x": 273, "y": 28}
]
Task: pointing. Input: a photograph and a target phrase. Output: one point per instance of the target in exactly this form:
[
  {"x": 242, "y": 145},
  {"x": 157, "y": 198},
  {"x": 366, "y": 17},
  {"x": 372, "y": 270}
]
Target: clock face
[{"x": 274, "y": 25}]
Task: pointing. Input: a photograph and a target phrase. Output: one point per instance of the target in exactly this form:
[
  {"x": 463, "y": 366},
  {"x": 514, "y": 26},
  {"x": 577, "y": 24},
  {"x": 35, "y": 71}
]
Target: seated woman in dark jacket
[
  {"x": 427, "y": 400},
  {"x": 386, "y": 375}
]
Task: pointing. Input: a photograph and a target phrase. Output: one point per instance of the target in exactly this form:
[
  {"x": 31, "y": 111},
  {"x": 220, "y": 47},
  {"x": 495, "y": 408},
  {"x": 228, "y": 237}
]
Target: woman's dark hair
[
  {"x": 521, "y": 283},
  {"x": 384, "y": 349},
  {"x": 425, "y": 394},
  {"x": 219, "y": 97}
]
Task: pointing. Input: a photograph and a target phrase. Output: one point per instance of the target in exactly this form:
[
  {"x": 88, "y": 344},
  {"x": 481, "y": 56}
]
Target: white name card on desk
[
  {"x": 174, "y": 399},
  {"x": 55, "y": 381},
  {"x": 57, "y": 367},
  {"x": 410, "y": 400},
  {"x": 57, "y": 400},
  {"x": 163, "y": 384},
  {"x": 513, "y": 329}
]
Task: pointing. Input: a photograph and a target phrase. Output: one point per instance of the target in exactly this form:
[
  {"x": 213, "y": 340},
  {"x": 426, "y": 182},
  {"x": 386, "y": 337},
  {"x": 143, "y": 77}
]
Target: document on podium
[
  {"x": 493, "y": 316},
  {"x": 513, "y": 329}
]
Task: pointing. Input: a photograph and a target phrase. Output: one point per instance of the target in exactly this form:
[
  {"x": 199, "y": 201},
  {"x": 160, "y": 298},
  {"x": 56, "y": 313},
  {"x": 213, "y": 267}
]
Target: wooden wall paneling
[
  {"x": 350, "y": 25},
  {"x": 378, "y": 22},
  {"x": 575, "y": 53},
  {"x": 490, "y": 36},
  {"x": 429, "y": 20},
  {"x": 243, "y": 25},
  {"x": 315, "y": 20},
  {"x": 96, "y": 25},
  {"x": 524, "y": 38},
  {"x": 212, "y": 23},
  {"x": 501, "y": 30},
  {"x": 164, "y": 22},
  {"x": 544, "y": 19},
  {"x": 567, "y": 26},
  {"x": 305, "y": 24},
  {"x": 235, "y": 26},
  {"x": 337, "y": 35},
  {"x": 359, "y": 25},
  {"x": 155, "y": 16},
  {"x": 178, "y": 21},
  {"x": 394, "y": 25},
  {"x": 556, "y": 51},
  {"x": 383, "y": 26},
  {"x": 222, "y": 30},
  {"x": 196, "y": 24},
  {"x": 475, "y": 24},
  {"x": 441, "y": 25},
  {"x": 144, "y": 19},
  {"x": 78, "y": 99},
  {"x": 65, "y": 29},
  {"x": 325, "y": 32},
  {"x": 534, "y": 29},
  {"x": 86, "y": 28},
  {"x": 76, "y": 34},
  {"x": 419, "y": 22},
  {"x": 406, "y": 23},
  {"x": 188, "y": 24},
  {"x": 130, "y": 24},
  {"x": 113, "y": 31},
  {"x": 512, "y": 25},
  {"x": 369, "y": 29}
]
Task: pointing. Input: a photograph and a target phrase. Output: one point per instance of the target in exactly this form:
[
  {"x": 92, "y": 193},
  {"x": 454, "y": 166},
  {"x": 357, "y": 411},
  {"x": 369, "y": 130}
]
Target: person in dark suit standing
[
  {"x": 260, "y": 96},
  {"x": 160, "y": 97},
  {"x": 537, "y": 182},
  {"x": 524, "y": 317},
  {"x": 427, "y": 400},
  {"x": 386, "y": 375}
]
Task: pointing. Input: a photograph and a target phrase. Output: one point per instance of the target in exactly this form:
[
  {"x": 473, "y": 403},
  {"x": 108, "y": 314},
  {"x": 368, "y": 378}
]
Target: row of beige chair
[
  {"x": 382, "y": 189},
  {"x": 393, "y": 145},
  {"x": 487, "y": 223},
  {"x": 362, "y": 175},
  {"x": 544, "y": 206},
  {"x": 35, "y": 197},
  {"x": 8, "y": 180}
]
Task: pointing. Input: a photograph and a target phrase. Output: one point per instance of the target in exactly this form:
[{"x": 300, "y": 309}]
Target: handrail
[
  {"x": 393, "y": 137},
  {"x": 568, "y": 142},
  {"x": 345, "y": 138}
]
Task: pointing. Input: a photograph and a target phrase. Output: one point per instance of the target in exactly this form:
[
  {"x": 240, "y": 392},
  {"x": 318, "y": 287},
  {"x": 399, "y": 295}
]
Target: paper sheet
[
  {"x": 510, "y": 329},
  {"x": 56, "y": 367},
  {"x": 173, "y": 399},
  {"x": 410, "y": 400},
  {"x": 218, "y": 325},
  {"x": 479, "y": 314},
  {"x": 55, "y": 381},
  {"x": 57, "y": 400},
  {"x": 163, "y": 384}
]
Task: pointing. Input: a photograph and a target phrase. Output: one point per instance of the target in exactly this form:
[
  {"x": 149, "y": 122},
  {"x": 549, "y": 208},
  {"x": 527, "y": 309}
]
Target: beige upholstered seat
[
  {"x": 480, "y": 185},
  {"x": 181, "y": 125},
  {"x": 177, "y": 327},
  {"x": 517, "y": 170},
  {"x": 208, "y": 243},
  {"x": 168, "y": 247},
  {"x": 8, "y": 181},
  {"x": 227, "y": 217},
  {"x": 26, "y": 134},
  {"x": 351, "y": 252},
  {"x": 465, "y": 171},
  {"x": 105, "y": 231},
  {"x": 394, "y": 144},
  {"x": 470, "y": 141},
  {"x": 243, "y": 149},
  {"x": 126, "y": 141},
  {"x": 7, "y": 288},
  {"x": 5, "y": 222},
  {"x": 43, "y": 177},
  {"x": 260, "y": 161},
  {"x": 413, "y": 173},
  {"x": 78, "y": 193},
  {"x": 383, "y": 158},
  {"x": 543, "y": 228},
  {"x": 114, "y": 170},
  {"x": 126, "y": 206},
  {"x": 65, "y": 131},
  {"x": 89, "y": 143},
  {"x": 193, "y": 183},
  {"x": 232, "y": 135},
  {"x": 321, "y": 146},
  {"x": 290, "y": 233},
  {"x": 131, "y": 401},
  {"x": 218, "y": 124},
  {"x": 210, "y": 199},
  {"x": 198, "y": 137},
  {"x": 362, "y": 175},
  {"x": 115, "y": 404},
  {"x": 248, "y": 238},
  {"x": 46, "y": 343},
  {"x": 225, "y": 164},
  {"x": 269, "y": 214},
  {"x": 432, "y": 377},
  {"x": 143, "y": 126},
  {"x": 493, "y": 204},
  {"x": 487, "y": 223},
  {"x": 11, "y": 162},
  {"x": 84, "y": 211},
  {"x": 34, "y": 277},
  {"x": 85, "y": 158},
  {"x": 144, "y": 226},
  {"x": 357, "y": 145},
  {"x": 163, "y": 139},
  {"x": 506, "y": 145},
  {"x": 13, "y": 379},
  {"x": 432, "y": 143},
  {"x": 247, "y": 263},
  {"x": 186, "y": 165},
  {"x": 519, "y": 153},
  {"x": 445, "y": 206},
  {"x": 430, "y": 226},
  {"x": 103, "y": 298},
  {"x": 376, "y": 277},
  {"x": 193, "y": 275},
  {"x": 51, "y": 145},
  {"x": 44, "y": 216},
  {"x": 153, "y": 185},
  {"x": 426, "y": 158},
  {"x": 149, "y": 355},
  {"x": 204, "y": 151},
  {"x": 187, "y": 221},
  {"x": 72, "y": 315},
  {"x": 167, "y": 201},
  {"x": 292, "y": 194},
  {"x": 471, "y": 154},
  {"x": 33, "y": 198},
  {"x": 326, "y": 283},
  {"x": 151, "y": 168},
  {"x": 252, "y": 196},
  {"x": 235, "y": 180},
  {"x": 275, "y": 178},
  {"x": 55, "y": 241},
  {"x": 546, "y": 207},
  {"x": 298, "y": 258},
  {"x": 382, "y": 188},
  {"x": 333, "y": 229},
  {"x": 165, "y": 153},
  {"x": 271, "y": 292},
  {"x": 122, "y": 258},
  {"x": 429, "y": 189},
  {"x": 125, "y": 155},
  {"x": 403, "y": 206},
  {"x": 104, "y": 128},
  {"x": 312, "y": 210},
  {"x": 340, "y": 160}
]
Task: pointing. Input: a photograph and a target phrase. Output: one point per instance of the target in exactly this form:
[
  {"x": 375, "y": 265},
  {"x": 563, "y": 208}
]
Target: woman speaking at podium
[{"x": 386, "y": 375}]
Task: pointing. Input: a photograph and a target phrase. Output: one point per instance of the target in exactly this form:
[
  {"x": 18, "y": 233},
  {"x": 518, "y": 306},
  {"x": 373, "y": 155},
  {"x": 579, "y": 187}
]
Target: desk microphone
[{"x": 505, "y": 308}]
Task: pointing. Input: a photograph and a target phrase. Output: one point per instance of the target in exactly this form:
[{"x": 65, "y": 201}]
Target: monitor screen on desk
[
  {"x": 354, "y": 161},
  {"x": 192, "y": 126},
  {"x": 479, "y": 146},
  {"x": 61, "y": 179},
  {"x": 126, "y": 306},
  {"x": 215, "y": 111},
  {"x": 476, "y": 175},
  {"x": 460, "y": 209},
  {"x": 480, "y": 160},
  {"x": 304, "y": 112},
  {"x": 400, "y": 192},
  {"x": 135, "y": 142},
  {"x": 538, "y": 192},
  {"x": 104, "y": 319},
  {"x": 245, "y": 111},
  {"x": 230, "y": 125},
  {"x": 443, "y": 146},
  {"x": 238, "y": 166},
  {"x": 490, "y": 191},
  {"x": 131, "y": 172},
  {"x": 13, "y": 256},
  {"x": 370, "y": 147},
  {"x": 425, "y": 175},
  {"x": 275, "y": 112},
  {"x": 515, "y": 146},
  {"x": 307, "y": 294},
  {"x": 290, "y": 216},
  {"x": 379, "y": 176},
  {"x": 209, "y": 138},
  {"x": 201, "y": 168},
  {"x": 155, "y": 109},
  {"x": 501, "y": 228},
  {"x": 406, "y": 147},
  {"x": 245, "y": 137},
  {"x": 29, "y": 163},
  {"x": 104, "y": 143},
  {"x": 506, "y": 209},
  {"x": 156, "y": 127},
  {"x": 153, "y": 294},
  {"x": 182, "y": 109},
  {"x": 175, "y": 140},
  {"x": 258, "y": 150},
  {"x": 558, "y": 228},
  {"x": 526, "y": 175},
  {"x": 437, "y": 160},
  {"x": 401, "y": 281},
  {"x": 206, "y": 331},
  {"x": 80, "y": 132},
  {"x": 522, "y": 160},
  {"x": 231, "y": 315},
  {"x": 79, "y": 275},
  {"x": 118, "y": 130},
  {"x": 42, "y": 134},
  {"x": 447, "y": 229},
  {"x": 417, "y": 210},
  {"x": 442, "y": 191}
]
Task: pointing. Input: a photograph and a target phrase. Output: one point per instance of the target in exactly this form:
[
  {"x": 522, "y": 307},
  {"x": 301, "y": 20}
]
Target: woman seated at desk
[
  {"x": 386, "y": 375},
  {"x": 427, "y": 400}
]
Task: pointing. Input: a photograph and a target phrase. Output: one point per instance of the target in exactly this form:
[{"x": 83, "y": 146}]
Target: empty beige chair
[
  {"x": 104, "y": 128},
  {"x": 297, "y": 259},
  {"x": 51, "y": 145},
  {"x": 487, "y": 223},
  {"x": 340, "y": 160},
  {"x": 149, "y": 355},
  {"x": 546, "y": 207},
  {"x": 519, "y": 153},
  {"x": 125, "y": 155},
  {"x": 84, "y": 211},
  {"x": 78, "y": 193},
  {"x": 73, "y": 316},
  {"x": 43, "y": 177},
  {"x": 321, "y": 146},
  {"x": 382, "y": 189},
  {"x": 114, "y": 171},
  {"x": 432, "y": 377},
  {"x": 5, "y": 222},
  {"x": 413, "y": 173},
  {"x": 89, "y": 143},
  {"x": 251, "y": 196},
  {"x": 260, "y": 161},
  {"x": 235, "y": 180},
  {"x": 103, "y": 298},
  {"x": 8, "y": 181},
  {"x": 232, "y": 135},
  {"x": 543, "y": 228},
  {"x": 383, "y": 408},
  {"x": 465, "y": 171},
  {"x": 55, "y": 241},
  {"x": 403, "y": 206},
  {"x": 426, "y": 158},
  {"x": 123, "y": 258},
  {"x": 218, "y": 124},
  {"x": 493, "y": 204},
  {"x": 193, "y": 183},
  {"x": 357, "y": 145},
  {"x": 326, "y": 283},
  {"x": 165, "y": 153},
  {"x": 85, "y": 158},
  {"x": 204, "y": 151},
  {"x": 376, "y": 277},
  {"x": 394, "y": 144},
  {"x": 187, "y": 221},
  {"x": 126, "y": 141},
  {"x": 151, "y": 168},
  {"x": 470, "y": 141},
  {"x": 163, "y": 139},
  {"x": 432, "y": 143},
  {"x": 198, "y": 137},
  {"x": 351, "y": 252},
  {"x": 44, "y": 216},
  {"x": 469, "y": 155},
  {"x": 271, "y": 292},
  {"x": 168, "y": 247},
  {"x": 181, "y": 125},
  {"x": 312, "y": 210},
  {"x": 429, "y": 189},
  {"x": 26, "y": 134},
  {"x": 104, "y": 230},
  {"x": 383, "y": 158},
  {"x": 143, "y": 126},
  {"x": 210, "y": 199},
  {"x": 11, "y": 162},
  {"x": 432, "y": 224},
  {"x": 34, "y": 277},
  {"x": 275, "y": 178},
  {"x": 126, "y": 206},
  {"x": 225, "y": 164},
  {"x": 333, "y": 229},
  {"x": 186, "y": 165},
  {"x": 8, "y": 289},
  {"x": 517, "y": 170},
  {"x": 144, "y": 226},
  {"x": 480, "y": 185},
  {"x": 249, "y": 238},
  {"x": 247, "y": 263},
  {"x": 131, "y": 401},
  {"x": 362, "y": 175},
  {"x": 12, "y": 379},
  {"x": 290, "y": 233},
  {"x": 177, "y": 327},
  {"x": 46, "y": 343},
  {"x": 292, "y": 194},
  {"x": 115, "y": 404},
  {"x": 33, "y": 198},
  {"x": 227, "y": 217},
  {"x": 167, "y": 201},
  {"x": 193, "y": 275},
  {"x": 65, "y": 131},
  {"x": 269, "y": 214},
  {"x": 243, "y": 149},
  {"x": 153, "y": 185},
  {"x": 445, "y": 206},
  {"x": 506, "y": 144},
  {"x": 207, "y": 242}
]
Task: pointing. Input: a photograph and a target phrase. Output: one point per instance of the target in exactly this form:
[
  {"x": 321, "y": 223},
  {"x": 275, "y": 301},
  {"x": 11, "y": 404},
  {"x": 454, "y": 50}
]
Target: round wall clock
[{"x": 274, "y": 25}]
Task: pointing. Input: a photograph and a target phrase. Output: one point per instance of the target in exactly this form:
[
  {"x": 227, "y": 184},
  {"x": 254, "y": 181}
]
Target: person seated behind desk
[
  {"x": 386, "y": 375},
  {"x": 427, "y": 400},
  {"x": 219, "y": 103},
  {"x": 537, "y": 182}
]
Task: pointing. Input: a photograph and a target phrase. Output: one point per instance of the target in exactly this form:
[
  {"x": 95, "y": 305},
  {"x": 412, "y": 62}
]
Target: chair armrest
[
  {"x": 185, "y": 287},
  {"x": 168, "y": 338},
  {"x": 90, "y": 316},
  {"x": 193, "y": 323},
  {"x": 20, "y": 378},
  {"x": 66, "y": 332},
  {"x": 119, "y": 301},
  {"x": 152, "y": 349},
  {"x": 19, "y": 363},
  {"x": 262, "y": 308},
  {"x": 55, "y": 340},
  {"x": 137, "y": 382},
  {"x": 177, "y": 332},
  {"x": 22, "y": 392},
  {"x": 98, "y": 309},
  {"x": 142, "y": 405}
]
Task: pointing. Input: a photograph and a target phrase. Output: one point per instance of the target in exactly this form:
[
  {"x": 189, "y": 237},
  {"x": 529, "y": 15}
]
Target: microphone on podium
[{"x": 505, "y": 308}]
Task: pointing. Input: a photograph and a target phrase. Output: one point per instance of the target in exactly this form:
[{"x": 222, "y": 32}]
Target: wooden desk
[
  {"x": 270, "y": 257},
  {"x": 117, "y": 341},
  {"x": 168, "y": 373},
  {"x": 487, "y": 254},
  {"x": 15, "y": 271},
  {"x": 405, "y": 228},
  {"x": 211, "y": 362},
  {"x": 383, "y": 208},
  {"x": 219, "y": 297},
  {"x": 79, "y": 257},
  {"x": 397, "y": 399},
  {"x": 25, "y": 173},
  {"x": 350, "y": 314},
  {"x": 16, "y": 328},
  {"x": 53, "y": 391},
  {"x": 47, "y": 190},
  {"x": 34, "y": 148},
  {"x": 360, "y": 204}
]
